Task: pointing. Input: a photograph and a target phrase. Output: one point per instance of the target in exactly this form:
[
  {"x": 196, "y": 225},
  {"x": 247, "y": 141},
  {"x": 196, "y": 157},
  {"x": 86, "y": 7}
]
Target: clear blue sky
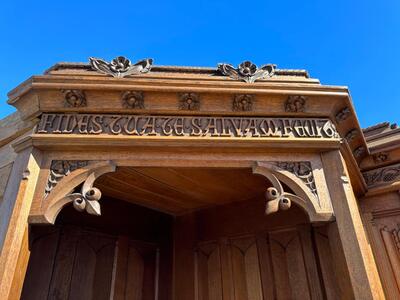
[{"x": 354, "y": 43}]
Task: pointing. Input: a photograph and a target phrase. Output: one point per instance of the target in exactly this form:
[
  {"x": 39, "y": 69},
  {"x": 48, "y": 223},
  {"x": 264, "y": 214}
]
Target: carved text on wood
[{"x": 195, "y": 126}]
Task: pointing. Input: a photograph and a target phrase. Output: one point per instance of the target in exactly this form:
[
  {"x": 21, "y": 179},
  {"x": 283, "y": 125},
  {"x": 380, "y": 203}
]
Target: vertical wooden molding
[
  {"x": 360, "y": 261},
  {"x": 19, "y": 191}
]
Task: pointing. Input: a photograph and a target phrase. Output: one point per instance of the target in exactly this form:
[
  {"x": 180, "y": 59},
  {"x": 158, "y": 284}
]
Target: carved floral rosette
[
  {"x": 247, "y": 71},
  {"x": 120, "y": 66}
]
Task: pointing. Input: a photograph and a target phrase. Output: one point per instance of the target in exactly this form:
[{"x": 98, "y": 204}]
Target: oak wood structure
[{"x": 133, "y": 181}]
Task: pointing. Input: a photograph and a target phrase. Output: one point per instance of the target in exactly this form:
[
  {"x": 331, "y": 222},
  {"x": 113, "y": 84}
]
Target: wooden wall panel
[{"x": 272, "y": 265}]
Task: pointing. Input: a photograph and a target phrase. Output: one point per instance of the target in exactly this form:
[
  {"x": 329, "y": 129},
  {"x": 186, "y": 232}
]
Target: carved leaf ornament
[
  {"x": 120, "y": 66},
  {"x": 247, "y": 71}
]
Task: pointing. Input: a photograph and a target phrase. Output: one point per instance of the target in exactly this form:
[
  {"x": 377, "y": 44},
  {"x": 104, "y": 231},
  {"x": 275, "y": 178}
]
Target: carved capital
[
  {"x": 133, "y": 99},
  {"x": 120, "y": 66},
  {"x": 247, "y": 71},
  {"x": 295, "y": 103},
  {"x": 242, "y": 103},
  {"x": 74, "y": 98},
  {"x": 189, "y": 101}
]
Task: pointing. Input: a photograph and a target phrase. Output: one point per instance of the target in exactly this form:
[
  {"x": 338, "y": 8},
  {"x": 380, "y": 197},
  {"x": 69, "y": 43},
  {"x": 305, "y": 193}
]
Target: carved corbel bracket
[
  {"x": 278, "y": 199},
  {"x": 65, "y": 192}
]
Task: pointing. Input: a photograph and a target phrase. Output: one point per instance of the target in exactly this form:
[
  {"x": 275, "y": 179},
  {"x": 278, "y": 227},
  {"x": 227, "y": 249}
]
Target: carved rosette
[
  {"x": 359, "y": 152},
  {"x": 120, "y": 66},
  {"x": 189, "y": 101},
  {"x": 380, "y": 157},
  {"x": 295, "y": 103},
  {"x": 74, "y": 98},
  {"x": 303, "y": 171},
  {"x": 133, "y": 99},
  {"x": 351, "y": 135},
  {"x": 247, "y": 71},
  {"x": 343, "y": 114},
  {"x": 59, "y": 169},
  {"x": 242, "y": 103}
]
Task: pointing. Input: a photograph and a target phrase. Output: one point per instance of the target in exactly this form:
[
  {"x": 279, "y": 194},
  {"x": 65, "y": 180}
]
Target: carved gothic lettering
[{"x": 216, "y": 127}]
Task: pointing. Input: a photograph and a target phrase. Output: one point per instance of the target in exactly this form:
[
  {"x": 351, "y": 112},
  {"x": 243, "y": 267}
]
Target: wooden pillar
[
  {"x": 14, "y": 212},
  {"x": 360, "y": 262}
]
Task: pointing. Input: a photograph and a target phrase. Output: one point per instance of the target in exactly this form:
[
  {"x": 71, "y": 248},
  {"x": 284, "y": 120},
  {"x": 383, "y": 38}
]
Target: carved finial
[
  {"x": 74, "y": 98},
  {"x": 133, "y": 99},
  {"x": 242, "y": 103},
  {"x": 295, "y": 103},
  {"x": 120, "y": 66},
  {"x": 87, "y": 200},
  {"x": 247, "y": 71},
  {"x": 189, "y": 101},
  {"x": 343, "y": 114}
]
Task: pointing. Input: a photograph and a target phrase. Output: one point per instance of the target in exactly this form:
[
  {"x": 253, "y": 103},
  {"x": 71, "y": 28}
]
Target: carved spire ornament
[
  {"x": 120, "y": 66},
  {"x": 247, "y": 71}
]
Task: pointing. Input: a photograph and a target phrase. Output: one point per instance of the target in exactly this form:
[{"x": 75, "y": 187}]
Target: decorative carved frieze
[
  {"x": 351, "y": 135},
  {"x": 120, "y": 66},
  {"x": 303, "y": 171},
  {"x": 189, "y": 101},
  {"x": 295, "y": 103},
  {"x": 195, "y": 126},
  {"x": 74, "y": 98},
  {"x": 133, "y": 99},
  {"x": 343, "y": 114},
  {"x": 247, "y": 71},
  {"x": 380, "y": 157},
  {"x": 358, "y": 152},
  {"x": 385, "y": 175},
  {"x": 59, "y": 169},
  {"x": 242, "y": 103}
]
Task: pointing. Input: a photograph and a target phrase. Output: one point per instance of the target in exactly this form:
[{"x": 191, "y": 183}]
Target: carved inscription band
[{"x": 246, "y": 127}]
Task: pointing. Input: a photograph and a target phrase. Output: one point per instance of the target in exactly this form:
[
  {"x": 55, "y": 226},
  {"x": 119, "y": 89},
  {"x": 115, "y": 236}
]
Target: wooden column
[
  {"x": 14, "y": 210},
  {"x": 357, "y": 251}
]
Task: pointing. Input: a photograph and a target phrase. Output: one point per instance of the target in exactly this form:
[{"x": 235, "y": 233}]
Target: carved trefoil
[
  {"x": 189, "y": 101},
  {"x": 74, "y": 98},
  {"x": 295, "y": 103},
  {"x": 88, "y": 198},
  {"x": 59, "y": 169},
  {"x": 133, "y": 99},
  {"x": 120, "y": 66},
  {"x": 243, "y": 102},
  {"x": 247, "y": 71}
]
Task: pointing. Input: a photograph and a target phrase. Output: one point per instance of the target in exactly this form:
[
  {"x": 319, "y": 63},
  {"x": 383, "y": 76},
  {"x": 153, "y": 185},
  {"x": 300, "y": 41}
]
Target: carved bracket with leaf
[{"x": 65, "y": 192}]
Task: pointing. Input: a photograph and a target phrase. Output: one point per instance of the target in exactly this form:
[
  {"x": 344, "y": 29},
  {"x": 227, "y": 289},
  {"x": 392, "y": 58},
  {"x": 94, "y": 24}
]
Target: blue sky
[{"x": 353, "y": 43}]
